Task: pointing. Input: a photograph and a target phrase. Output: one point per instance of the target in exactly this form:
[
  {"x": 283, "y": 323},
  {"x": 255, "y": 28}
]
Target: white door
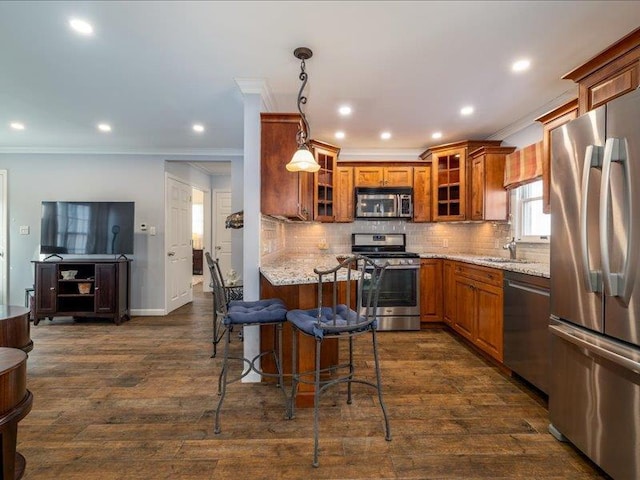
[
  {"x": 3, "y": 237},
  {"x": 179, "y": 254},
  {"x": 222, "y": 247}
]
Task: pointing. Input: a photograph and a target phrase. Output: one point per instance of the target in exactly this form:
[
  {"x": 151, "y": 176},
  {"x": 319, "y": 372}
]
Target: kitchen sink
[{"x": 501, "y": 260}]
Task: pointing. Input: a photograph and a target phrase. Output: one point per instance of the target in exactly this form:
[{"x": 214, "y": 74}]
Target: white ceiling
[{"x": 153, "y": 68}]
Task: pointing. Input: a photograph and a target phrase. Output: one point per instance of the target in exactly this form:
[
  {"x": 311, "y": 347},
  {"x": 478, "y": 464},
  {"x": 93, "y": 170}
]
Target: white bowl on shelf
[{"x": 68, "y": 274}]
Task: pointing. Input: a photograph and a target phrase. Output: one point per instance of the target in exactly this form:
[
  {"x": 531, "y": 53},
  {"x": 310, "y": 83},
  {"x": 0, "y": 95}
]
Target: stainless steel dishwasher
[{"x": 527, "y": 339}]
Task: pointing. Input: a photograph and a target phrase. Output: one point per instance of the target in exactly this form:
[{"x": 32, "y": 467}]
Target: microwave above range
[{"x": 384, "y": 203}]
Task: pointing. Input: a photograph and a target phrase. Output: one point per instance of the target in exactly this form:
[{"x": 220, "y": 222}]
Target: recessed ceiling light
[
  {"x": 17, "y": 125},
  {"x": 81, "y": 26},
  {"x": 197, "y": 127},
  {"x": 385, "y": 135},
  {"x": 344, "y": 110},
  {"x": 521, "y": 65},
  {"x": 340, "y": 134},
  {"x": 466, "y": 110},
  {"x": 436, "y": 135},
  {"x": 104, "y": 127}
]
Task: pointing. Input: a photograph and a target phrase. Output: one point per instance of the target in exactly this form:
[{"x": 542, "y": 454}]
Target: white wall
[{"x": 33, "y": 178}]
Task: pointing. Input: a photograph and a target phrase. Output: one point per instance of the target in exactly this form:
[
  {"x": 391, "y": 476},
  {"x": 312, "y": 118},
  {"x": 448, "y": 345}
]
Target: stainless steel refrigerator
[{"x": 594, "y": 394}]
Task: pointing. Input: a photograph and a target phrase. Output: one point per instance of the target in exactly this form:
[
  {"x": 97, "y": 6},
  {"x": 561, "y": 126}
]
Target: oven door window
[{"x": 399, "y": 288}]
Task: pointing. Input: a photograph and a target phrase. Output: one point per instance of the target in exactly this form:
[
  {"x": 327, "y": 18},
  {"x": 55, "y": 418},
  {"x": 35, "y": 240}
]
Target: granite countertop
[
  {"x": 298, "y": 269},
  {"x": 520, "y": 266}
]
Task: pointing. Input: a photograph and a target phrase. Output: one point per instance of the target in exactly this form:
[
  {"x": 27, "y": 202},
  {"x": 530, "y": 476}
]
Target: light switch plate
[{"x": 24, "y": 229}]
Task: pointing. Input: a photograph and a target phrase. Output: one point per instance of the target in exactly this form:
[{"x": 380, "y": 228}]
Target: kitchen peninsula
[{"x": 291, "y": 278}]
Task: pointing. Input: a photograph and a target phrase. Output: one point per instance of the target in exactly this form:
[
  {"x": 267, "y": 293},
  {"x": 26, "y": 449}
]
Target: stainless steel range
[{"x": 399, "y": 300}]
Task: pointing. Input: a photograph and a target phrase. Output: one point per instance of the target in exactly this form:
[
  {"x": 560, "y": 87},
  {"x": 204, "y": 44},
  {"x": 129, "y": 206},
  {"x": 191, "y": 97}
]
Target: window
[{"x": 531, "y": 224}]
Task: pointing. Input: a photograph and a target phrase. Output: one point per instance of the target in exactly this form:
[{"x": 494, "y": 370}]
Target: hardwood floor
[{"x": 136, "y": 401}]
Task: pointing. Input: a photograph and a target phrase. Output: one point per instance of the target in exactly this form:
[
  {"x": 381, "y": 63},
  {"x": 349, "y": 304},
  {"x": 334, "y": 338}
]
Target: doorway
[{"x": 197, "y": 236}]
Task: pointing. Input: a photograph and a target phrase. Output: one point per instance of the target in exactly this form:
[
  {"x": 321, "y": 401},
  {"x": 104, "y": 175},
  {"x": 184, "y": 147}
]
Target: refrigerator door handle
[
  {"x": 592, "y": 279},
  {"x": 566, "y": 333},
  {"x": 617, "y": 284}
]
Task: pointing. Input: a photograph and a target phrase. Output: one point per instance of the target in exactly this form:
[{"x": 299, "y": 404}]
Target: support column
[{"x": 256, "y": 99}]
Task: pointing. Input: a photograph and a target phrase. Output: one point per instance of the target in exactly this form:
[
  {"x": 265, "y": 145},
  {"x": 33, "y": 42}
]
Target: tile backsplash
[{"x": 479, "y": 238}]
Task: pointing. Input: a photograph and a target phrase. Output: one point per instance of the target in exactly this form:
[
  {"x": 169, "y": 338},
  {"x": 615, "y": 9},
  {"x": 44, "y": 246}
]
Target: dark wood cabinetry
[
  {"x": 283, "y": 193},
  {"x": 197, "y": 261},
  {"x": 99, "y": 288}
]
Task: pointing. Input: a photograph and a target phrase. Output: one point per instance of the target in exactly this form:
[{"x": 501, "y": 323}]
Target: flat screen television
[{"x": 87, "y": 228}]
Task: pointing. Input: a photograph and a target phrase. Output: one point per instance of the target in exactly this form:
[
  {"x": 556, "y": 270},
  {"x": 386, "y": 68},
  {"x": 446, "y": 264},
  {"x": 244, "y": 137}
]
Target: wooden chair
[{"x": 338, "y": 319}]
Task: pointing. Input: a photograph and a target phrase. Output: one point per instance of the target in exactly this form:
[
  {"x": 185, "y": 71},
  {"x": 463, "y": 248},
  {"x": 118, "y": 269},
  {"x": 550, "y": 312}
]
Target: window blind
[{"x": 523, "y": 166}]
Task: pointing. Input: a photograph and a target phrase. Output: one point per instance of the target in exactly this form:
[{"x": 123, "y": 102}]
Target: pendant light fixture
[{"x": 303, "y": 160}]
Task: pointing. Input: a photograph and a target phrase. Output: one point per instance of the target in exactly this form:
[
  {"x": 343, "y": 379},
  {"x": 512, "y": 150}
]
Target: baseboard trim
[{"x": 147, "y": 312}]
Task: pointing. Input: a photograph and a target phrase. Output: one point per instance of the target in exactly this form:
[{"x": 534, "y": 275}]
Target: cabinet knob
[
  {"x": 96, "y": 289},
  {"x": 52, "y": 288}
]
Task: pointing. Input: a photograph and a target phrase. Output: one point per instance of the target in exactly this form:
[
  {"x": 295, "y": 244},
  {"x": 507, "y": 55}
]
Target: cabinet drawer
[{"x": 491, "y": 276}]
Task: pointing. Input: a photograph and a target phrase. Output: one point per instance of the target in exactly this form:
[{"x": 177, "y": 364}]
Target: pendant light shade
[{"x": 303, "y": 160}]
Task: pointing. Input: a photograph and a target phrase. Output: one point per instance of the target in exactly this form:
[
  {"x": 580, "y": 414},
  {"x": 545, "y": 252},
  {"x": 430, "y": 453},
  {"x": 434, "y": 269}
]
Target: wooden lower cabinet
[
  {"x": 449, "y": 294},
  {"x": 477, "y": 306},
  {"x": 431, "y": 301},
  {"x": 303, "y": 296}
]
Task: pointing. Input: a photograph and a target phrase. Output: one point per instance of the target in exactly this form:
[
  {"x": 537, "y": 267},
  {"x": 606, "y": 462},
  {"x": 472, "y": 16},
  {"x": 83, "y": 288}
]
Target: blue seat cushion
[
  {"x": 260, "y": 311},
  {"x": 345, "y": 321}
]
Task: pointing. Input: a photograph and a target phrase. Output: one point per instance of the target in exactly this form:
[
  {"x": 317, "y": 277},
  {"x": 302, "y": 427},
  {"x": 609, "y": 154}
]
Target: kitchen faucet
[{"x": 511, "y": 246}]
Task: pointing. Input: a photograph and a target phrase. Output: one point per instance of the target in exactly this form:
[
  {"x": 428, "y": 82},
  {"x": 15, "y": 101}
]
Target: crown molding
[
  {"x": 211, "y": 153},
  {"x": 530, "y": 118},
  {"x": 259, "y": 86}
]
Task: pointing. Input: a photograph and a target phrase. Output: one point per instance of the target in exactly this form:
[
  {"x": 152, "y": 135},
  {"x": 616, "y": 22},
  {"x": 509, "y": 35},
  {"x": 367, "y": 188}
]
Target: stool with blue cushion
[
  {"x": 231, "y": 292},
  {"x": 242, "y": 313},
  {"x": 352, "y": 289}
]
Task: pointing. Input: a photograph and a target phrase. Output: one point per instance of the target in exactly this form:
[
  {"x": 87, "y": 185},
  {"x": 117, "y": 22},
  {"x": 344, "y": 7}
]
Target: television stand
[{"x": 99, "y": 289}]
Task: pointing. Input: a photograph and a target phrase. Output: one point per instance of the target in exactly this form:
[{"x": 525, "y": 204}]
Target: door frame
[{"x": 4, "y": 239}]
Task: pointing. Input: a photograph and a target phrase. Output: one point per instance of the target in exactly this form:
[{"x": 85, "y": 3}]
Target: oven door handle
[{"x": 400, "y": 267}]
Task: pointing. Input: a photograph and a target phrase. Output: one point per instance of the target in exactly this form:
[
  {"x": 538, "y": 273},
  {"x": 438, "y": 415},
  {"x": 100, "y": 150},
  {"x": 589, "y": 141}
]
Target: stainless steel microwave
[{"x": 384, "y": 202}]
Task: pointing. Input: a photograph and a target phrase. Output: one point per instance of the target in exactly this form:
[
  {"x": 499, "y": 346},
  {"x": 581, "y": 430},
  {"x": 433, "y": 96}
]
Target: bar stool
[
  {"x": 240, "y": 313},
  {"x": 231, "y": 292},
  {"x": 357, "y": 275}
]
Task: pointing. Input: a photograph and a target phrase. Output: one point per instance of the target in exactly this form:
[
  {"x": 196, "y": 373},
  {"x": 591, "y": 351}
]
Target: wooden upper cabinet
[
  {"x": 450, "y": 178},
  {"x": 283, "y": 193},
  {"x": 449, "y": 185},
  {"x": 550, "y": 121},
  {"x": 488, "y": 198},
  {"x": 343, "y": 194},
  {"x": 383, "y": 176},
  {"x": 398, "y": 176},
  {"x": 324, "y": 181},
  {"x": 613, "y": 72},
  {"x": 422, "y": 193}
]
